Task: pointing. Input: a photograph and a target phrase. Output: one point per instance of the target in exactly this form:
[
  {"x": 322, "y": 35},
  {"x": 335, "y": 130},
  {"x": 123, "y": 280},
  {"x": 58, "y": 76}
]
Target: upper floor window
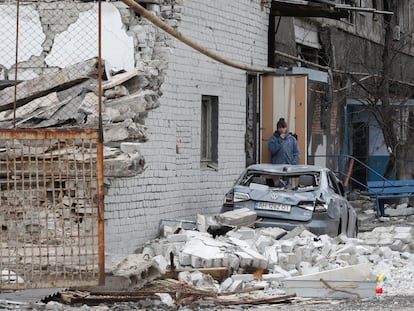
[
  {"x": 351, "y": 16},
  {"x": 377, "y": 5},
  {"x": 402, "y": 11},
  {"x": 316, "y": 56}
]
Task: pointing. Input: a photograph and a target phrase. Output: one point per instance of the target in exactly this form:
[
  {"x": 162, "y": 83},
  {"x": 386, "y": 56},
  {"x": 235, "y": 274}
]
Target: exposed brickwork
[{"x": 173, "y": 185}]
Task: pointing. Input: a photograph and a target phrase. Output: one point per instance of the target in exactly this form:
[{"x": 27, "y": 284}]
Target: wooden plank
[
  {"x": 254, "y": 300},
  {"x": 81, "y": 297},
  {"x": 120, "y": 78}
]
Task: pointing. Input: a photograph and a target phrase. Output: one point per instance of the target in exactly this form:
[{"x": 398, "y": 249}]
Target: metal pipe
[{"x": 159, "y": 23}]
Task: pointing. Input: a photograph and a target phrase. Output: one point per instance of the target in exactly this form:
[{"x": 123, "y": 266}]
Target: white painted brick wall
[{"x": 173, "y": 185}]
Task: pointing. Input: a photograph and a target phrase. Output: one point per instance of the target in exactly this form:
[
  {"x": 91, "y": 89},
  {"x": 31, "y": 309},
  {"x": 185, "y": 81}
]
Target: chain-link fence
[{"x": 51, "y": 174}]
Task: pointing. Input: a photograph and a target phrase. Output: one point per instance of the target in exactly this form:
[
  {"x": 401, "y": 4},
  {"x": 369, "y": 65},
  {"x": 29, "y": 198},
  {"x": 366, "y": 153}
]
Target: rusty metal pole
[
  {"x": 348, "y": 175},
  {"x": 16, "y": 61},
  {"x": 101, "y": 236}
]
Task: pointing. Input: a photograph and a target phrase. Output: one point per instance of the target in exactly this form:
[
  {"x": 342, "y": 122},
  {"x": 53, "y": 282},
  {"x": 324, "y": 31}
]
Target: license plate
[{"x": 273, "y": 206}]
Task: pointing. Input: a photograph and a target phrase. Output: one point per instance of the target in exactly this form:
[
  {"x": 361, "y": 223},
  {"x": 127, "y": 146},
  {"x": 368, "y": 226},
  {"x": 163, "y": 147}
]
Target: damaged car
[{"x": 286, "y": 196}]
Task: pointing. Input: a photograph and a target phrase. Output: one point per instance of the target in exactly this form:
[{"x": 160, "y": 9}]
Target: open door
[{"x": 284, "y": 96}]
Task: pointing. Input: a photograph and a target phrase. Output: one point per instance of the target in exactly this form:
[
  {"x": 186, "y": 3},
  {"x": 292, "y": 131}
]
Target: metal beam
[
  {"x": 318, "y": 8},
  {"x": 305, "y": 9}
]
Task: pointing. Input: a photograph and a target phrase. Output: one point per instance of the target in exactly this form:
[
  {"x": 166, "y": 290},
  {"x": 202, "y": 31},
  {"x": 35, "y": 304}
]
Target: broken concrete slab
[
  {"x": 404, "y": 211},
  {"x": 360, "y": 272},
  {"x": 43, "y": 85},
  {"x": 124, "y": 165},
  {"x": 238, "y": 218},
  {"x": 204, "y": 252},
  {"x": 121, "y": 78},
  {"x": 138, "y": 269},
  {"x": 294, "y": 232},
  {"x": 219, "y": 274},
  {"x": 353, "y": 281},
  {"x": 273, "y": 232}
]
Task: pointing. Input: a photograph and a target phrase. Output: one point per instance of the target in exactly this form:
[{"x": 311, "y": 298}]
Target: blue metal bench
[{"x": 389, "y": 189}]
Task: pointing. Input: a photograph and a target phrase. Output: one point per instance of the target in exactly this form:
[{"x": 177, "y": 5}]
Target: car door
[{"x": 338, "y": 195}]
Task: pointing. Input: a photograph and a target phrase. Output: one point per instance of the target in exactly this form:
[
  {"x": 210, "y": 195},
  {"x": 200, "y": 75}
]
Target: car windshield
[{"x": 300, "y": 182}]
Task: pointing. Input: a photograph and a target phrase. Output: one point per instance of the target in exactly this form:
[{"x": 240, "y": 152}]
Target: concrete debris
[
  {"x": 397, "y": 238},
  {"x": 133, "y": 272},
  {"x": 238, "y": 218},
  {"x": 211, "y": 225},
  {"x": 350, "y": 281},
  {"x": 270, "y": 256},
  {"x": 43, "y": 85},
  {"x": 68, "y": 98},
  {"x": 399, "y": 210},
  {"x": 203, "y": 252},
  {"x": 256, "y": 266}
]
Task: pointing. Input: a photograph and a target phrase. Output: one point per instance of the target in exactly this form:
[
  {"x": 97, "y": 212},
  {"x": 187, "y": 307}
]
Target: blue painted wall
[{"x": 378, "y": 163}]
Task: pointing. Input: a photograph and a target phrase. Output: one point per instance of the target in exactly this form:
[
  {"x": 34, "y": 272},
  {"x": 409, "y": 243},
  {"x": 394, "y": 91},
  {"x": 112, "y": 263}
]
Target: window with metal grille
[{"x": 209, "y": 131}]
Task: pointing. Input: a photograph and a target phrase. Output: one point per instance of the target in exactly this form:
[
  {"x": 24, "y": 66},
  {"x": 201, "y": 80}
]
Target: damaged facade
[
  {"x": 162, "y": 163},
  {"x": 347, "y": 52},
  {"x": 178, "y": 126}
]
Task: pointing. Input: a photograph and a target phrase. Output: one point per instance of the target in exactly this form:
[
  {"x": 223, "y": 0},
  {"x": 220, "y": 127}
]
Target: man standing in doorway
[{"x": 283, "y": 146}]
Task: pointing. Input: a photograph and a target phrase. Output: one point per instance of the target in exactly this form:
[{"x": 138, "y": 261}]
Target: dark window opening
[
  {"x": 351, "y": 14},
  {"x": 311, "y": 54},
  {"x": 209, "y": 131}
]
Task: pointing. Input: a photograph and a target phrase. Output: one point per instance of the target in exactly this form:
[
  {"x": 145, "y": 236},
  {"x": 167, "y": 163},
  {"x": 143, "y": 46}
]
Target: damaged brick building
[
  {"x": 179, "y": 126},
  {"x": 344, "y": 47}
]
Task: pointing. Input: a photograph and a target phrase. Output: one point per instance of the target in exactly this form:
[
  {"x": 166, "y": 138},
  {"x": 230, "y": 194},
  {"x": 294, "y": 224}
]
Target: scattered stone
[{"x": 238, "y": 218}]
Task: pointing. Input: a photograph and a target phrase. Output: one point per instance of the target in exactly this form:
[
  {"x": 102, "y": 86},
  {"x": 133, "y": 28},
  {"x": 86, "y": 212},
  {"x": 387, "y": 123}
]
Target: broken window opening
[
  {"x": 209, "y": 131},
  {"x": 377, "y": 5},
  {"x": 351, "y": 14},
  {"x": 311, "y": 54}
]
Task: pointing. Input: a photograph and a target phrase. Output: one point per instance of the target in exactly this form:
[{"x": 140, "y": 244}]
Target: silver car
[{"x": 290, "y": 195}]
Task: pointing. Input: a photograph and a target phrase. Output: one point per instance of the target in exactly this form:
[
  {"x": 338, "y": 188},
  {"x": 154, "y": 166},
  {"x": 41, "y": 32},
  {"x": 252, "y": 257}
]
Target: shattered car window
[{"x": 298, "y": 182}]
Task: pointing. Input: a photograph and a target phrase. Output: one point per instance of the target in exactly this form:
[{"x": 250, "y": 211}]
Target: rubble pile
[
  {"x": 266, "y": 257},
  {"x": 199, "y": 264},
  {"x": 247, "y": 250},
  {"x": 68, "y": 98},
  {"x": 396, "y": 210}
]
